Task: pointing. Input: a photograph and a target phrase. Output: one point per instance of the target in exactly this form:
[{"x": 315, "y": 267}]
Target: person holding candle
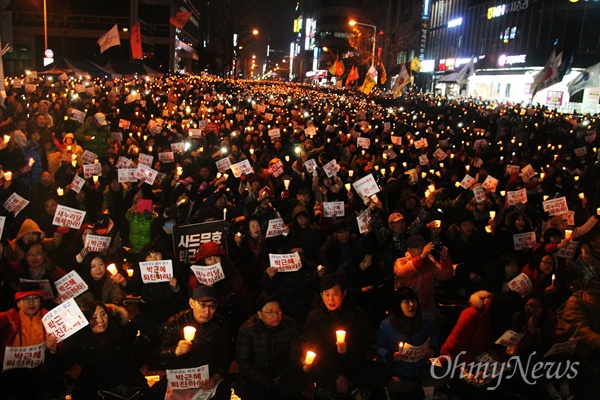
[
  {"x": 102, "y": 285},
  {"x": 104, "y": 349},
  {"x": 407, "y": 326},
  {"x": 212, "y": 346},
  {"x": 141, "y": 215},
  {"x": 93, "y": 135},
  {"x": 342, "y": 368},
  {"x": 268, "y": 355}
]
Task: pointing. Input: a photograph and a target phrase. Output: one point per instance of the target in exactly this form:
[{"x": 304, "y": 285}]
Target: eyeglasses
[
  {"x": 207, "y": 304},
  {"x": 31, "y": 299},
  {"x": 272, "y": 313},
  {"x": 36, "y": 254}
]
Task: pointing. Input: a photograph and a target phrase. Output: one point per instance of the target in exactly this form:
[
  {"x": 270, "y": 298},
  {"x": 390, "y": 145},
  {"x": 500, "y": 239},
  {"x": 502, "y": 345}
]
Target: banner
[
  {"x": 187, "y": 238},
  {"x": 135, "y": 41}
]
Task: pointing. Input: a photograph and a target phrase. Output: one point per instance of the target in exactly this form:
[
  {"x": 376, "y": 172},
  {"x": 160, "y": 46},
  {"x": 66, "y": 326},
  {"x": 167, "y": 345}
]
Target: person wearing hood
[{"x": 30, "y": 232}]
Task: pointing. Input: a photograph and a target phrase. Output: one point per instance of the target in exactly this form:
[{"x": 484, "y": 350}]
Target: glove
[{"x": 63, "y": 229}]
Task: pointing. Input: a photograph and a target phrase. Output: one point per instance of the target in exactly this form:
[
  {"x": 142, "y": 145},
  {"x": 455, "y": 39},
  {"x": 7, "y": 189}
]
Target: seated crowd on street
[{"x": 289, "y": 242}]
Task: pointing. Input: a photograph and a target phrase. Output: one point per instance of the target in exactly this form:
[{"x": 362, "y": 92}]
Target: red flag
[
  {"x": 339, "y": 68},
  {"x": 135, "y": 40},
  {"x": 180, "y": 19},
  {"x": 352, "y": 75}
]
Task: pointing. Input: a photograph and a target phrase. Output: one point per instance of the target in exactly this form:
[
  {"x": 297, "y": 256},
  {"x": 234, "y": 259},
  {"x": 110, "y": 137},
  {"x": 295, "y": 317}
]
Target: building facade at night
[{"x": 510, "y": 41}]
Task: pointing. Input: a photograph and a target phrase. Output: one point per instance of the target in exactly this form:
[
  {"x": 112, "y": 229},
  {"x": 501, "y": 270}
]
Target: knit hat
[{"x": 209, "y": 249}]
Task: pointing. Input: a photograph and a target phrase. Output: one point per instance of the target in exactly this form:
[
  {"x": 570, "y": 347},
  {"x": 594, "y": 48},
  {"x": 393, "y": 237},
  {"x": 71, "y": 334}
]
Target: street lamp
[
  {"x": 254, "y": 32},
  {"x": 353, "y": 22}
]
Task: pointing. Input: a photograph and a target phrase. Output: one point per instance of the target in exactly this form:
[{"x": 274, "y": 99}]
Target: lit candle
[
  {"x": 438, "y": 223},
  {"x": 350, "y": 173},
  {"x": 553, "y": 279},
  {"x": 392, "y": 169},
  {"x": 31, "y": 162},
  {"x": 189, "y": 332},
  {"x": 348, "y": 188},
  {"x": 224, "y": 213},
  {"x": 502, "y": 193},
  {"x": 382, "y": 171},
  {"x": 542, "y": 176},
  {"x": 340, "y": 336},
  {"x": 427, "y": 193},
  {"x": 6, "y": 139},
  {"x": 492, "y": 214},
  {"x": 286, "y": 183},
  {"x": 404, "y": 164},
  {"x": 467, "y": 168},
  {"x": 545, "y": 197},
  {"x": 581, "y": 195},
  {"x": 60, "y": 191},
  {"x": 488, "y": 229},
  {"x": 251, "y": 151},
  {"x": 568, "y": 233},
  {"x": 401, "y": 347},
  {"x": 129, "y": 272},
  {"x": 423, "y": 175},
  {"x": 179, "y": 171},
  {"x": 68, "y": 148},
  {"x": 598, "y": 211},
  {"x": 95, "y": 178},
  {"x": 375, "y": 198},
  {"x": 74, "y": 163},
  {"x": 96, "y": 161},
  {"x": 431, "y": 188},
  {"x": 310, "y": 357},
  {"x": 112, "y": 269},
  {"x": 287, "y": 158},
  {"x": 219, "y": 175},
  {"x": 8, "y": 175}
]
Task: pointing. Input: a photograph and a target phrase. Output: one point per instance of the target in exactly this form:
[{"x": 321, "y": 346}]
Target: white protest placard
[
  {"x": 513, "y": 169},
  {"x": 97, "y": 243},
  {"x": 274, "y": 133},
  {"x": 364, "y": 221},
  {"x": 67, "y": 216},
  {"x": 223, "y": 164},
  {"x": 156, "y": 271},
  {"x": 78, "y": 116},
  {"x": 363, "y": 142},
  {"x": 467, "y": 182},
  {"x": 366, "y": 186},
  {"x": 70, "y": 286},
  {"x": 556, "y": 206},
  {"x": 479, "y": 193},
  {"x": 30, "y": 87},
  {"x": 569, "y": 250},
  {"x": 569, "y": 217},
  {"x": 524, "y": 240},
  {"x": 64, "y": 320},
  {"x": 15, "y": 203},
  {"x": 310, "y": 131},
  {"x": 510, "y": 338},
  {"x": 178, "y": 147},
  {"x": 24, "y": 357},
  {"x": 412, "y": 353},
  {"x": 208, "y": 274},
  {"x": 423, "y": 160},
  {"x": 521, "y": 285},
  {"x": 490, "y": 183},
  {"x": 562, "y": 347},
  {"x": 77, "y": 183},
  {"x": 241, "y": 168},
  {"x": 117, "y": 136},
  {"x": 527, "y": 173},
  {"x": 421, "y": 143},
  {"x": 333, "y": 209},
  {"x": 580, "y": 151},
  {"x": 187, "y": 378},
  {"x": 329, "y": 128},
  {"x": 147, "y": 173},
  {"x": 331, "y": 168},
  {"x": 127, "y": 175},
  {"x": 145, "y": 159},
  {"x": 124, "y": 162},
  {"x": 44, "y": 284},
  {"x": 387, "y": 126},
  {"x": 285, "y": 262},
  {"x": 310, "y": 165},
  {"x": 396, "y": 140},
  {"x": 516, "y": 196},
  {"x": 195, "y": 133},
  {"x": 391, "y": 154},
  {"x": 166, "y": 157},
  {"x": 276, "y": 227},
  {"x": 479, "y": 144},
  {"x": 90, "y": 170},
  {"x": 440, "y": 154},
  {"x": 124, "y": 124},
  {"x": 88, "y": 157}
]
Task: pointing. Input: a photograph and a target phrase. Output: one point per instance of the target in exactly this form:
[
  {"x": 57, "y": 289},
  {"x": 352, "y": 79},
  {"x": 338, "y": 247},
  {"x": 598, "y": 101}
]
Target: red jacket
[{"x": 10, "y": 324}]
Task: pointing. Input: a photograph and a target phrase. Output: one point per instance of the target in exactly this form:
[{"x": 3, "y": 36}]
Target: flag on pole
[
  {"x": 339, "y": 68},
  {"x": 109, "y": 39},
  {"x": 180, "y": 19},
  {"x": 135, "y": 40},
  {"x": 415, "y": 64},
  {"x": 588, "y": 78},
  {"x": 352, "y": 76},
  {"x": 332, "y": 70},
  {"x": 402, "y": 80},
  {"x": 383, "y": 77},
  {"x": 368, "y": 84},
  {"x": 467, "y": 71},
  {"x": 548, "y": 76}
]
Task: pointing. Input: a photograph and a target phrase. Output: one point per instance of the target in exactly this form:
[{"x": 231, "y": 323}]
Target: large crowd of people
[{"x": 427, "y": 235}]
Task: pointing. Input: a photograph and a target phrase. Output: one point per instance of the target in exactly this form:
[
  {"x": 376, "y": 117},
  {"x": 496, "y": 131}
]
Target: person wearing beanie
[
  {"x": 212, "y": 345},
  {"x": 22, "y": 326}
]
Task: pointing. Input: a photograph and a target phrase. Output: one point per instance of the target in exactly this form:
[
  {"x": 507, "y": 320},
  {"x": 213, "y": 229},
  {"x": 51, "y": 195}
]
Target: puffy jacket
[
  {"x": 264, "y": 354},
  {"x": 10, "y": 325},
  {"x": 101, "y": 134},
  {"x": 140, "y": 229}
]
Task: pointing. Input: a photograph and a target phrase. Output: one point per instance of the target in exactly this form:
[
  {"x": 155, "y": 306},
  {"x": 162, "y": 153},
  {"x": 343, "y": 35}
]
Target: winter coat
[
  {"x": 15, "y": 252},
  {"x": 578, "y": 322},
  {"x": 98, "y": 145},
  {"x": 140, "y": 229},
  {"x": 10, "y": 326}
]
